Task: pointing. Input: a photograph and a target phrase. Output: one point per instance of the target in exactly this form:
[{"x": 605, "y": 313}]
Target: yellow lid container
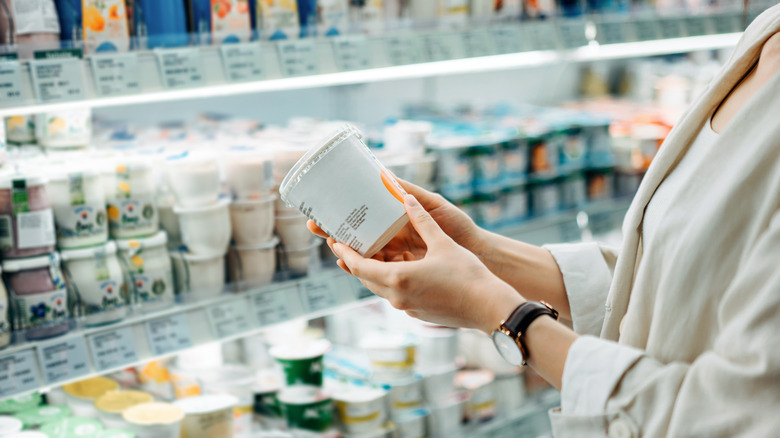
[{"x": 91, "y": 388}]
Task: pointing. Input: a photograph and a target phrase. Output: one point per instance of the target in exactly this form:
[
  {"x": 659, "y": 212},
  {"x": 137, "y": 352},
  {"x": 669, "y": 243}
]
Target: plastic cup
[
  {"x": 302, "y": 364},
  {"x": 361, "y": 409},
  {"x": 306, "y": 407},
  {"x": 252, "y": 222},
  {"x": 391, "y": 355},
  {"x": 193, "y": 178},
  {"x": 205, "y": 230},
  {"x": 293, "y": 232},
  {"x": 154, "y": 420},
  {"x": 199, "y": 276},
  {"x": 254, "y": 265},
  {"x": 207, "y": 416}
]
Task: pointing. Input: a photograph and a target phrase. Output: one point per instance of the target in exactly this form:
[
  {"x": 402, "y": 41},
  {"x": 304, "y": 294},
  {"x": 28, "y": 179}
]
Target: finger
[
  {"x": 409, "y": 257},
  {"x": 361, "y": 267},
  {"x": 315, "y": 229},
  {"x": 424, "y": 196},
  {"x": 343, "y": 266},
  {"x": 422, "y": 221}
]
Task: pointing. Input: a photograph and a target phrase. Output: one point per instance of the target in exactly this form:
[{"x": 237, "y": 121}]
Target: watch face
[{"x": 508, "y": 348}]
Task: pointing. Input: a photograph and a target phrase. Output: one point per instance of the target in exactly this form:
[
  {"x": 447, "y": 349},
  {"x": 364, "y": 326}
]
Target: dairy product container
[
  {"x": 514, "y": 159},
  {"x": 199, "y": 276},
  {"x": 193, "y": 178},
  {"x": 249, "y": 173},
  {"x": 412, "y": 423},
  {"x": 105, "y": 26},
  {"x": 205, "y": 230},
  {"x": 39, "y": 295},
  {"x": 236, "y": 381},
  {"x": 544, "y": 198},
  {"x": 5, "y": 322},
  {"x": 278, "y": 20},
  {"x": 72, "y": 427},
  {"x": 391, "y": 355},
  {"x": 169, "y": 221},
  {"x": 20, "y": 129},
  {"x": 199, "y": 20},
  {"x": 333, "y": 16},
  {"x": 130, "y": 193},
  {"x": 372, "y": 212},
  {"x": 404, "y": 394},
  {"x": 150, "y": 270},
  {"x": 116, "y": 433},
  {"x": 299, "y": 261},
  {"x": 154, "y": 420},
  {"x": 488, "y": 210},
  {"x": 302, "y": 360},
  {"x": 111, "y": 405},
  {"x": 510, "y": 392},
  {"x": 367, "y": 16},
  {"x": 572, "y": 191},
  {"x": 69, "y": 13},
  {"x": 252, "y": 222},
  {"x": 438, "y": 384},
  {"x": 253, "y": 265},
  {"x": 79, "y": 203},
  {"x": 35, "y": 25},
  {"x": 453, "y": 13},
  {"x": 361, "y": 409},
  {"x": 600, "y": 185},
  {"x": 424, "y": 11},
  {"x": 26, "y": 218},
  {"x": 20, "y": 403},
  {"x": 64, "y": 129},
  {"x": 482, "y": 10},
  {"x": 230, "y": 21},
  {"x": 448, "y": 417},
  {"x": 9, "y": 425},
  {"x": 438, "y": 347},
  {"x": 544, "y": 156},
  {"x": 27, "y": 433},
  {"x": 96, "y": 277},
  {"x": 488, "y": 169},
  {"x": 81, "y": 395},
  {"x": 207, "y": 416},
  {"x": 306, "y": 407},
  {"x": 307, "y": 17},
  {"x": 509, "y": 10},
  {"x": 293, "y": 231},
  {"x": 159, "y": 24},
  {"x": 35, "y": 417},
  {"x": 186, "y": 370},
  {"x": 515, "y": 205},
  {"x": 407, "y": 136},
  {"x": 482, "y": 393}
]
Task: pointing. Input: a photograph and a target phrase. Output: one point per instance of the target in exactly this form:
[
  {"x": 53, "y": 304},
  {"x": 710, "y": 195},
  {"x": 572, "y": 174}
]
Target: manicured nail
[
  {"x": 411, "y": 201},
  {"x": 337, "y": 249}
]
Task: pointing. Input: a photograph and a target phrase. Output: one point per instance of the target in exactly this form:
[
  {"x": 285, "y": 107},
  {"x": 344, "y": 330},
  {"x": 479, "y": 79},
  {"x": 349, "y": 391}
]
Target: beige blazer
[{"x": 702, "y": 302}]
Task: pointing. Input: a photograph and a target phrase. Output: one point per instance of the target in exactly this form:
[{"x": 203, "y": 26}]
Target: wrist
[{"x": 500, "y": 307}]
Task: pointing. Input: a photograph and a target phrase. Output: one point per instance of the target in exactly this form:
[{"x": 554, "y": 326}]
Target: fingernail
[
  {"x": 411, "y": 201},
  {"x": 337, "y": 249}
]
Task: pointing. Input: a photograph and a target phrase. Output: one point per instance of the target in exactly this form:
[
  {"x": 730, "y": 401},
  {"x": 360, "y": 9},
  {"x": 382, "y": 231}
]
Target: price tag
[
  {"x": 671, "y": 27},
  {"x": 170, "y": 334},
  {"x": 437, "y": 47},
  {"x": 612, "y": 32},
  {"x": 116, "y": 74},
  {"x": 242, "y": 62},
  {"x": 230, "y": 318},
  {"x": 273, "y": 307},
  {"x": 297, "y": 57},
  {"x": 696, "y": 25},
  {"x": 10, "y": 82},
  {"x": 63, "y": 359},
  {"x": 18, "y": 373},
  {"x": 541, "y": 36},
  {"x": 476, "y": 43},
  {"x": 573, "y": 33},
  {"x": 113, "y": 348},
  {"x": 507, "y": 39},
  {"x": 180, "y": 68},
  {"x": 57, "y": 75},
  {"x": 725, "y": 23},
  {"x": 351, "y": 52},
  {"x": 402, "y": 49},
  {"x": 318, "y": 294},
  {"x": 646, "y": 30}
]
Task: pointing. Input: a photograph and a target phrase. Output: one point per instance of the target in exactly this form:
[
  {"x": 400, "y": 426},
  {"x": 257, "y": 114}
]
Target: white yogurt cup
[
  {"x": 169, "y": 221},
  {"x": 193, "y": 177},
  {"x": 199, "y": 276},
  {"x": 249, "y": 173},
  {"x": 281, "y": 209},
  {"x": 154, "y": 420},
  {"x": 150, "y": 270},
  {"x": 293, "y": 232},
  {"x": 447, "y": 418},
  {"x": 342, "y": 187},
  {"x": 438, "y": 384},
  {"x": 130, "y": 187},
  {"x": 9, "y": 425},
  {"x": 252, "y": 221},
  {"x": 207, "y": 416},
  {"x": 254, "y": 265},
  {"x": 64, "y": 129},
  {"x": 78, "y": 200},
  {"x": 438, "y": 347},
  {"x": 237, "y": 381},
  {"x": 205, "y": 230},
  {"x": 298, "y": 261},
  {"x": 361, "y": 409},
  {"x": 392, "y": 355},
  {"x": 480, "y": 384},
  {"x": 405, "y": 395},
  {"x": 412, "y": 423}
]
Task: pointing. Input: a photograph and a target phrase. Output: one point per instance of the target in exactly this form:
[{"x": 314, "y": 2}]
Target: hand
[
  {"x": 407, "y": 245},
  {"x": 446, "y": 285}
]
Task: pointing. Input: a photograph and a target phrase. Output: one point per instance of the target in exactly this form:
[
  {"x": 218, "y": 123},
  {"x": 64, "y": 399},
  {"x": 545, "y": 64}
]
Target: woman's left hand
[{"x": 448, "y": 286}]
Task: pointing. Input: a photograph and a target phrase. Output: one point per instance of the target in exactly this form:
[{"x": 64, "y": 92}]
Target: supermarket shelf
[{"x": 202, "y": 72}]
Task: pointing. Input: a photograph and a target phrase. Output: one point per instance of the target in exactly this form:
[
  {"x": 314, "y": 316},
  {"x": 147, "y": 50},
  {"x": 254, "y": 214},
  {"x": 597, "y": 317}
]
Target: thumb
[{"x": 423, "y": 222}]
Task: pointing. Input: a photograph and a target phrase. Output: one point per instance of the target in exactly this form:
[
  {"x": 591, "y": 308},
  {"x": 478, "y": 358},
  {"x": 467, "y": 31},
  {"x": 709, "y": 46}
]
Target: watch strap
[{"x": 522, "y": 317}]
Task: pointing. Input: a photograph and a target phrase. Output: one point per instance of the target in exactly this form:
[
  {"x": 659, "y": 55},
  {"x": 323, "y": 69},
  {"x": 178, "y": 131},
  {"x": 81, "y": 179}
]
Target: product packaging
[
  {"x": 105, "y": 26},
  {"x": 278, "y": 19}
]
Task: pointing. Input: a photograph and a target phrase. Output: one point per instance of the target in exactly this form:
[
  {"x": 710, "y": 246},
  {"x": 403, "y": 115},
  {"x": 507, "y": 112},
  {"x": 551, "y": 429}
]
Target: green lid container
[
  {"x": 36, "y": 417},
  {"x": 21, "y": 403},
  {"x": 306, "y": 407},
  {"x": 303, "y": 364},
  {"x": 117, "y": 433},
  {"x": 73, "y": 427}
]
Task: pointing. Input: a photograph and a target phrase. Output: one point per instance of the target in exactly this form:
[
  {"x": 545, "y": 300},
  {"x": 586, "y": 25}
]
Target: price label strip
[
  {"x": 573, "y": 33},
  {"x": 230, "y": 318},
  {"x": 476, "y": 43},
  {"x": 57, "y": 75},
  {"x": 696, "y": 26},
  {"x": 116, "y": 74},
  {"x": 507, "y": 39},
  {"x": 646, "y": 29},
  {"x": 297, "y": 58},
  {"x": 18, "y": 373},
  {"x": 10, "y": 81},
  {"x": 612, "y": 32},
  {"x": 671, "y": 27},
  {"x": 351, "y": 52},
  {"x": 180, "y": 68},
  {"x": 318, "y": 294},
  {"x": 438, "y": 47},
  {"x": 169, "y": 334},
  {"x": 242, "y": 62},
  {"x": 63, "y": 359},
  {"x": 273, "y": 307},
  {"x": 113, "y": 349},
  {"x": 541, "y": 36},
  {"x": 402, "y": 49}
]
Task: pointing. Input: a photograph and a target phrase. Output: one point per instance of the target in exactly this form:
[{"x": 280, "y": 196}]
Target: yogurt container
[
  {"x": 72, "y": 427},
  {"x": 412, "y": 423},
  {"x": 79, "y": 203},
  {"x": 81, "y": 395},
  {"x": 249, "y": 173},
  {"x": 237, "y": 381},
  {"x": 39, "y": 296},
  {"x": 302, "y": 361},
  {"x": 105, "y": 26},
  {"x": 362, "y": 207},
  {"x": 154, "y": 420},
  {"x": 20, "y": 129},
  {"x": 35, "y": 417},
  {"x": 205, "y": 230},
  {"x": 482, "y": 393},
  {"x": 28, "y": 434},
  {"x": 64, "y": 129},
  {"x": 130, "y": 191},
  {"x": 9, "y": 425},
  {"x": 278, "y": 20},
  {"x": 111, "y": 405},
  {"x": 199, "y": 276},
  {"x": 207, "y": 416},
  {"x": 448, "y": 417},
  {"x": 391, "y": 355},
  {"x": 404, "y": 394},
  {"x": 5, "y": 322},
  {"x": 20, "y": 403},
  {"x": 252, "y": 222},
  {"x": 253, "y": 265},
  {"x": 293, "y": 231},
  {"x": 96, "y": 277},
  {"x": 361, "y": 409},
  {"x": 193, "y": 177},
  {"x": 230, "y": 21},
  {"x": 514, "y": 158},
  {"x": 116, "y": 433},
  {"x": 150, "y": 270},
  {"x": 438, "y": 384},
  {"x": 299, "y": 261},
  {"x": 26, "y": 218},
  {"x": 438, "y": 347},
  {"x": 306, "y": 407},
  {"x": 169, "y": 221},
  {"x": 515, "y": 205}
]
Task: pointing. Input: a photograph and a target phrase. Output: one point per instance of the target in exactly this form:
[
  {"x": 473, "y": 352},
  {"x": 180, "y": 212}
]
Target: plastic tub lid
[
  {"x": 221, "y": 203},
  {"x": 206, "y": 403},
  {"x": 16, "y": 265},
  {"x": 229, "y": 377},
  {"x": 43, "y": 414},
  {"x": 268, "y": 245},
  {"x": 31, "y": 180},
  {"x": 88, "y": 253},
  {"x": 116, "y": 402},
  {"x": 154, "y": 413},
  {"x": 72, "y": 427},
  {"x": 90, "y": 388},
  {"x": 313, "y": 155},
  {"x": 10, "y": 425},
  {"x": 57, "y": 173},
  {"x": 307, "y": 350},
  {"x": 302, "y": 395},
  {"x": 158, "y": 239},
  {"x": 116, "y": 433},
  {"x": 359, "y": 395}
]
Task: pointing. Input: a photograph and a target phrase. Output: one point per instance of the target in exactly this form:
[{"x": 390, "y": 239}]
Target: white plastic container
[
  {"x": 169, "y": 221},
  {"x": 80, "y": 396},
  {"x": 293, "y": 232},
  {"x": 342, "y": 187},
  {"x": 205, "y": 230},
  {"x": 252, "y": 222},
  {"x": 392, "y": 355},
  {"x": 130, "y": 191},
  {"x": 64, "y": 129},
  {"x": 254, "y": 265},
  {"x": 480, "y": 384},
  {"x": 154, "y": 420},
  {"x": 78, "y": 200},
  {"x": 9, "y": 425},
  {"x": 97, "y": 278},
  {"x": 207, "y": 416},
  {"x": 110, "y": 406},
  {"x": 412, "y": 424},
  {"x": 405, "y": 394},
  {"x": 407, "y": 136},
  {"x": 199, "y": 276},
  {"x": 361, "y": 409},
  {"x": 447, "y": 418},
  {"x": 438, "y": 384},
  {"x": 249, "y": 173},
  {"x": 150, "y": 270},
  {"x": 298, "y": 261},
  {"x": 20, "y": 129},
  {"x": 438, "y": 347},
  {"x": 193, "y": 177},
  {"x": 237, "y": 381}
]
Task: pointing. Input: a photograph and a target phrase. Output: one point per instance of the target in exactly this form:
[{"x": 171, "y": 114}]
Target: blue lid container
[
  {"x": 307, "y": 14},
  {"x": 160, "y": 23},
  {"x": 69, "y": 12}
]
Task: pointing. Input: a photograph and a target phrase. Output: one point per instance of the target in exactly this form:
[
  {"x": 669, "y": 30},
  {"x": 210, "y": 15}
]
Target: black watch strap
[{"x": 523, "y": 316}]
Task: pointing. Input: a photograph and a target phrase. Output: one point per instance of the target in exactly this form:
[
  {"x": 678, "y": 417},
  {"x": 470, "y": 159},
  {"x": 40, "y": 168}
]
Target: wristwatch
[{"x": 508, "y": 337}]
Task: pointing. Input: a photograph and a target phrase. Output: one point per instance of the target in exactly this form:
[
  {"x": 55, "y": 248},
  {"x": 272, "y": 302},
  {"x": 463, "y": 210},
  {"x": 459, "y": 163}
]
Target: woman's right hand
[{"x": 407, "y": 245}]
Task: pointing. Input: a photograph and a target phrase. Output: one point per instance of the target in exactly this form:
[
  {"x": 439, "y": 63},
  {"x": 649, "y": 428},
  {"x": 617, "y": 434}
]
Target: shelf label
[
  {"x": 180, "y": 68},
  {"x": 725, "y": 23},
  {"x": 646, "y": 29},
  {"x": 10, "y": 82},
  {"x": 671, "y": 27},
  {"x": 541, "y": 36},
  {"x": 63, "y": 359},
  {"x": 169, "y": 334},
  {"x": 476, "y": 43},
  {"x": 438, "y": 47},
  {"x": 351, "y": 52},
  {"x": 507, "y": 39},
  {"x": 273, "y": 307},
  {"x": 242, "y": 62},
  {"x": 612, "y": 32},
  {"x": 116, "y": 74},
  {"x": 318, "y": 293},
  {"x": 297, "y": 58},
  {"x": 696, "y": 25},
  {"x": 57, "y": 75},
  {"x": 113, "y": 348},
  {"x": 229, "y": 319},
  {"x": 402, "y": 49},
  {"x": 18, "y": 373},
  {"x": 573, "y": 33}
]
